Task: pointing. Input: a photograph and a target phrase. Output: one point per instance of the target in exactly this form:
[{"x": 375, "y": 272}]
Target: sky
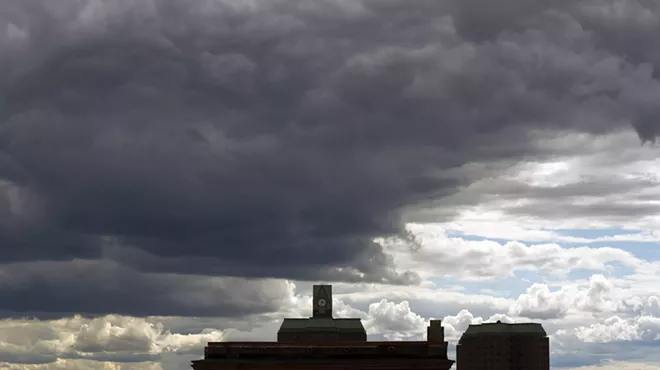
[{"x": 174, "y": 172}]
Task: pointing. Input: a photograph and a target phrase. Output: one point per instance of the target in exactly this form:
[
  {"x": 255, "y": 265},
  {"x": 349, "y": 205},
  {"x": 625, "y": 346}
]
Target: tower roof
[{"x": 322, "y": 324}]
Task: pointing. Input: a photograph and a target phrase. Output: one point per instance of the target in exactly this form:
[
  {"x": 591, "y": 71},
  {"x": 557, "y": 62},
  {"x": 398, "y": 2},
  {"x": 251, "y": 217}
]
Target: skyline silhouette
[{"x": 179, "y": 172}]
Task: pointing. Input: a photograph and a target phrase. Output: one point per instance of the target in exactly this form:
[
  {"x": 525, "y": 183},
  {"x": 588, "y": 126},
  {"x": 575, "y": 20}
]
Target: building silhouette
[
  {"x": 501, "y": 346},
  {"x": 324, "y": 342},
  {"x": 322, "y": 326}
]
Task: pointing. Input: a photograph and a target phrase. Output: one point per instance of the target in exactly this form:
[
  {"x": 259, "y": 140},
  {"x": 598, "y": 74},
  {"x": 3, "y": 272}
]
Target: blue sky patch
[{"x": 596, "y": 233}]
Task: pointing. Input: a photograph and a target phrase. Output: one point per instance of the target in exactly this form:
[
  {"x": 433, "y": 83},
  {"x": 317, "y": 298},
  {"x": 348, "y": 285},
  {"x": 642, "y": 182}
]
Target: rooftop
[
  {"x": 271, "y": 351},
  {"x": 504, "y": 328},
  {"x": 324, "y": 324}
]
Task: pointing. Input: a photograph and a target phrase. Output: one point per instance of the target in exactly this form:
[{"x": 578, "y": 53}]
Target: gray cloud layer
[{"x": 278, "y": 138}]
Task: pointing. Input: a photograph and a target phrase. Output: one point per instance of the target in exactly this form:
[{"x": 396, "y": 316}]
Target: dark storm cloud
[
  {"x": 49, "y": 289},
  {"x": 278, "y": 138}
]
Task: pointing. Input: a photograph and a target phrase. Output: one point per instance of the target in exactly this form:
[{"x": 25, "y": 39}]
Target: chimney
[{"x": 435, "y": 332}]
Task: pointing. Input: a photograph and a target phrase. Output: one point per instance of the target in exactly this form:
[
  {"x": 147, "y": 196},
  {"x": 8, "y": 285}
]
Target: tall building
[
  {"x": 500, "y": 346},
  {"x": 324, "y": 342}
]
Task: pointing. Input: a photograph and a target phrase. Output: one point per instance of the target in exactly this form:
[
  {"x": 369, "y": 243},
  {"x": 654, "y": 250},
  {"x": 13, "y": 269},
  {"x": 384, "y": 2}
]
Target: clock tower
[{"x": 322, "y": 302}]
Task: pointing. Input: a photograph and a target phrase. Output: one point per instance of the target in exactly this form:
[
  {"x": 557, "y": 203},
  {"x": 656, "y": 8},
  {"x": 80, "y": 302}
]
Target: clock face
[{"x": 322, "y": 302}]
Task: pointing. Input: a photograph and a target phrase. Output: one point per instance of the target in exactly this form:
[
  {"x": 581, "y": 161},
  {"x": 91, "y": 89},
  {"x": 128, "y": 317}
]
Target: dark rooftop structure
[
  {"x": 321, "y": 329},
  {"x": 324, "y": 342},
  {"x": 321, "y": 326},
  {"x": 502, "y": 346}
]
